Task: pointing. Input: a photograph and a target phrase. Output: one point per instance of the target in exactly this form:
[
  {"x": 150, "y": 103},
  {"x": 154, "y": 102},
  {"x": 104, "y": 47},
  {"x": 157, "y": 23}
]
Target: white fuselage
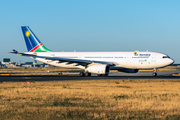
[{"x": 132, "y": 60}]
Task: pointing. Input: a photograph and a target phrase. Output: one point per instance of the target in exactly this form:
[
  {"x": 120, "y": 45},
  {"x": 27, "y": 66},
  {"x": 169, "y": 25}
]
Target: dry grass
[{"x": 90, "y": 99}]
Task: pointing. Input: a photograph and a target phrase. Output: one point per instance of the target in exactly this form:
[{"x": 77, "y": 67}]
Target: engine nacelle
[
  {"x": 126, "y": 70},
  {"x": 99, "y": 69}
]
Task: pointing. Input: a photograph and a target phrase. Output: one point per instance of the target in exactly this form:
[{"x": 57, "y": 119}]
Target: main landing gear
[
  {"x": 102, "y": 74},
  {"x": 154, "y": 72},
  {"x": 89, "y": 74},
  {"x": 84, "y": 74}
]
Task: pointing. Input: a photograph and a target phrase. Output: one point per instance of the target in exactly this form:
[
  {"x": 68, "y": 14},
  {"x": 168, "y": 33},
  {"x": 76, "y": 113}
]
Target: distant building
[
  {"x": 27, "y": 64},
  {"x": 175, "y": 65},
  {"x": 6, "y": 61}
]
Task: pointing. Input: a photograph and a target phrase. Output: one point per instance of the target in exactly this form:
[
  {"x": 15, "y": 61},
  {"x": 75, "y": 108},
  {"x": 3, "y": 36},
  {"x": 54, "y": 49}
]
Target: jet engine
[
  {"x": 99, "y": 69},
  {"x": 126, "y": 70}
]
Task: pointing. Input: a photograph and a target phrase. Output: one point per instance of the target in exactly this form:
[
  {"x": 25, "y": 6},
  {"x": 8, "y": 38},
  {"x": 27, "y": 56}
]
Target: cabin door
[{"x": 153, "y": 60}]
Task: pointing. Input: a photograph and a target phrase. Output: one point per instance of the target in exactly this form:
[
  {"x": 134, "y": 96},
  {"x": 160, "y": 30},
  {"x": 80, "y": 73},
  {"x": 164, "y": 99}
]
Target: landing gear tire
[
  {"x": 81, "y": 74},
  {"x": 99, "y": 74},
  {"x": 154, "y": 74},
  {"x": 102, "y": 74},
  {"x": 87, "y": 74},
  {"x": 105, "y": 75}
]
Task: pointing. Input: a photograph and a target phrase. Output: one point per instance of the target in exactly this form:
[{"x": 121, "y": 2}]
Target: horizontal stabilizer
[{"x": 16, "y": 52}]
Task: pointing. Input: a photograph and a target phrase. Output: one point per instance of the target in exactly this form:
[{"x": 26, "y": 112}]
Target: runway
[{"x": 141, "y": 75}]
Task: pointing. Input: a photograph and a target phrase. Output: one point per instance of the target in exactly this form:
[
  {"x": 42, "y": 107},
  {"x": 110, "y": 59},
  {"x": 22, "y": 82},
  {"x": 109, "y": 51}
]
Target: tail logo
[
  {"x": 27, "y": 33},
  {"x": 33, "y": 44}
]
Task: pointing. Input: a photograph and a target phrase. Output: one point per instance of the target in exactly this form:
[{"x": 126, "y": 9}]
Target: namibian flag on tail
[{"x": 32, "y": 42}]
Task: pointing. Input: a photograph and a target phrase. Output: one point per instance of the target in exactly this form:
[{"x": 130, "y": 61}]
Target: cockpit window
[{"x": 166, "y": 57}]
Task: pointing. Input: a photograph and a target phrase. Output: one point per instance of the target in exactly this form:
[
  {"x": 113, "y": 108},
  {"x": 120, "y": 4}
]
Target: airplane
[{"x": 99, "y": 63}]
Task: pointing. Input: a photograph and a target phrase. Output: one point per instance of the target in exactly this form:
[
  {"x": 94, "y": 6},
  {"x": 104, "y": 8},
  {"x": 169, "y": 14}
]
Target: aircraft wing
[{"x": 70, "y": 61}]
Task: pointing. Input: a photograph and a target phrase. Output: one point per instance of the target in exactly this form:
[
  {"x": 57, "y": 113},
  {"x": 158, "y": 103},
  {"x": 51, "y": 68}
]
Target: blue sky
[{"x": 92, "y": 25}]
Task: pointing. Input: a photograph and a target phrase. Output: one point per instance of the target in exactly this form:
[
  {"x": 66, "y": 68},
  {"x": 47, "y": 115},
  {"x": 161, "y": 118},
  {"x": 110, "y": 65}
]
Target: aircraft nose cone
[{"x": 171, "y": 61}]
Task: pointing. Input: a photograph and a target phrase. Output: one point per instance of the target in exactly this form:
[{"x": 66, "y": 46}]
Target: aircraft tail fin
[{"x": 33, "y": 44}]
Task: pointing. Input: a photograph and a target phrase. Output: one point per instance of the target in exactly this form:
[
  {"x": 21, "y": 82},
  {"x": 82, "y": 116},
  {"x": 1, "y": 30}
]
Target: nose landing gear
[{"x": 154, "y": 72}]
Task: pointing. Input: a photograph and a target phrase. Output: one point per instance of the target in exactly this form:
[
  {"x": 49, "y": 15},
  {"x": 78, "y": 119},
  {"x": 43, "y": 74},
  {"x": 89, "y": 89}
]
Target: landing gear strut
[{"x": 154, "y": 73}]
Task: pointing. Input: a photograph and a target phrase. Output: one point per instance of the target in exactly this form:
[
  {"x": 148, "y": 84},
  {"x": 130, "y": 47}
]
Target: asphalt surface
[{"x": 141, "y": 75}]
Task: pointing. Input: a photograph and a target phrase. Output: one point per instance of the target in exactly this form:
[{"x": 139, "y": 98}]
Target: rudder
[{"x": 33, "y": 44}]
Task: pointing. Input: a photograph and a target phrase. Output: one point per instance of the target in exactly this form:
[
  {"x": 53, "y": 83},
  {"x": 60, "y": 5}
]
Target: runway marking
[
  {"x": 5, "y": 74},
  {"x": 31, "y": 77},
  {"x": 26, "y": 77}
]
